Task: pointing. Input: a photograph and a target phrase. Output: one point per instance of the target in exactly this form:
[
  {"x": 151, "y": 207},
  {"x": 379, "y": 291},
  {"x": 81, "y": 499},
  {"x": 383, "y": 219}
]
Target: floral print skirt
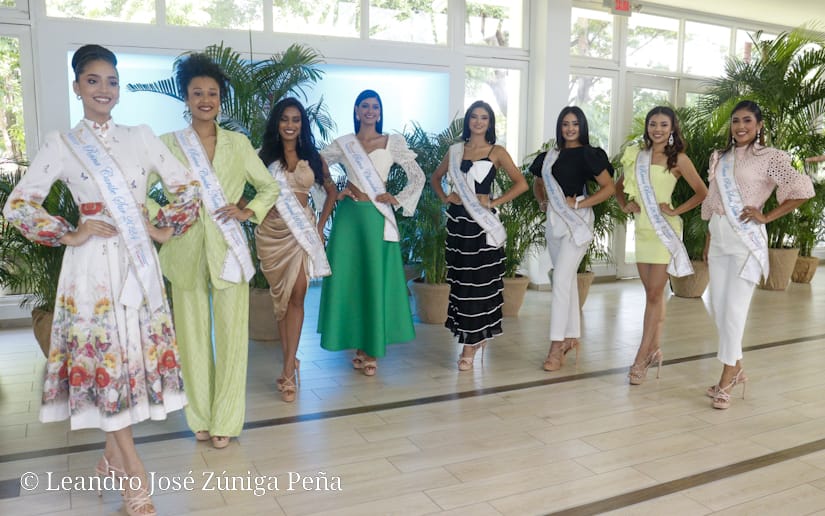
[{"x": 109, "y": 365}]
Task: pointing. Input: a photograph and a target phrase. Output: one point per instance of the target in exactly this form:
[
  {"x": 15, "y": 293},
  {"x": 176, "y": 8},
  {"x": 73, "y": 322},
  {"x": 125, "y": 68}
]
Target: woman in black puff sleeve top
[{"x": 569, "y": 221}]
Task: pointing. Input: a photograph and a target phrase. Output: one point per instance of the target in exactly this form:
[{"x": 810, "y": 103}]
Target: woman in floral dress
[{"x": 113, "y": 359}]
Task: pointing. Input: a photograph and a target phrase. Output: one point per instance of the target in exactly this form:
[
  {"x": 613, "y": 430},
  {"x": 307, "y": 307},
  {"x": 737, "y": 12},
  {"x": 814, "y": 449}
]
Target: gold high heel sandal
[
  {"x": 279, "y": 383},
  {"x": 103, "y": 469},
  {"x": 555, "y": 361},
  {"x": 290, "y": 387},
  {"x": 722, "y": 398},
  {"x": 638, "y": 374},
  {"x": 465, "y": 363}
]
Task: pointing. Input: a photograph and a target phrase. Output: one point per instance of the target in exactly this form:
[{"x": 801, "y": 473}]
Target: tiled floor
[{"x": 508, "y": 438}]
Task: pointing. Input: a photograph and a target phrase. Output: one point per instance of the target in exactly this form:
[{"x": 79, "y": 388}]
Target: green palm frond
[{"x": 168, "y": 87}]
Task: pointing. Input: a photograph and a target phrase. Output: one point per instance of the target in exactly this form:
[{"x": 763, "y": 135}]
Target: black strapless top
[{"x": 476, "y": 168}]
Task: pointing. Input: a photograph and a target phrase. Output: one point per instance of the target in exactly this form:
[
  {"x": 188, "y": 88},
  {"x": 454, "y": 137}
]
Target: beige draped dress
[{"x": 282, "y": 257}]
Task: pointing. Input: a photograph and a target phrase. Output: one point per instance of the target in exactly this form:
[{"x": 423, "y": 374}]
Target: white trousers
[
  {"x": 565, "y": 318},
  {"x": 730, "y": 295}
]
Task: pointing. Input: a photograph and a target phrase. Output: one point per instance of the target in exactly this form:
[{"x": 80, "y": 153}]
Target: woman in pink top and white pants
[{"x": 742, "y": 178}]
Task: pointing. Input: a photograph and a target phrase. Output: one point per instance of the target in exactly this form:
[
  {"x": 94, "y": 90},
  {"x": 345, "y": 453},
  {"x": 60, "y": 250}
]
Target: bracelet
[{"x": 576, "y": 206}]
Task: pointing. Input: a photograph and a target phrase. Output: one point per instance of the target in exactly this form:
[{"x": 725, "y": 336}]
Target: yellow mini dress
[{"x": 649, "y": 249}]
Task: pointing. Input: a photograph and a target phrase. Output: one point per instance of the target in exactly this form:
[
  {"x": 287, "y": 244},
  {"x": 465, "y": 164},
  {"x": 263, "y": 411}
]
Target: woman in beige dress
[{"x": 289, "y": 149}]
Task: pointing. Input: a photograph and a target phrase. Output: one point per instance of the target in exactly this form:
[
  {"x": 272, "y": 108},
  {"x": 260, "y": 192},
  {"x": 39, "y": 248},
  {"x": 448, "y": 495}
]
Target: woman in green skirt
[{"x": 364, "y": 304}]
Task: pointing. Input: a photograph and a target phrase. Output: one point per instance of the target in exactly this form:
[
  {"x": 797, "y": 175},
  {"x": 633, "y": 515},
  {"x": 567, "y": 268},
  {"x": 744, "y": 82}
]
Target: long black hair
[
  {"x": 490, "y": 135},
  {"x": 671, "y": 151},
  {"x": 368, "y": 94},
  {"x": 199, "y": 65},
  {"x": 754, "y": 108},
  {"x": 584, "y": 131},
  {"x": 272, "y": 148},
  {"x": 89, "y": 53}
]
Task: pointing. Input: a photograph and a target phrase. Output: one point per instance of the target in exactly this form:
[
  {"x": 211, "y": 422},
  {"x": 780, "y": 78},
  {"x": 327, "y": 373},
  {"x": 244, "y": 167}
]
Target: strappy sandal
[
  {"x": 370, "y": 366},
  {"x": 202, "y": 435},
  {"x": 139, "y": 503},
  {"x": 279, "y": 383},
  {"x": 103, "y": 469}
]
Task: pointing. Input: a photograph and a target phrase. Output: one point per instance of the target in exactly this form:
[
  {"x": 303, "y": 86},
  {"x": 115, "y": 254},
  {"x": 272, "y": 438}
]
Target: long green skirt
[{"x": 364, "y": 304}]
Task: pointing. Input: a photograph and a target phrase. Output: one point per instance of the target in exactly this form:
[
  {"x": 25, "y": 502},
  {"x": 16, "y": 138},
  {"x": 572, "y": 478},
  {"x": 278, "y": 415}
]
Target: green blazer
[{"x": 235, "y": 163}]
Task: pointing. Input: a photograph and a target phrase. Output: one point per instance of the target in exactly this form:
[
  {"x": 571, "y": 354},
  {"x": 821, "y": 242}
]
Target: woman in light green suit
[{"x": 209, "y": 266}]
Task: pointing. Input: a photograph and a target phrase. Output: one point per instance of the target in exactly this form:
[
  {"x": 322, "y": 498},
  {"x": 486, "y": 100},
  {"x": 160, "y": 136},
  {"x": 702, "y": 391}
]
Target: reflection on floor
[{"x": 508, "y": 438}]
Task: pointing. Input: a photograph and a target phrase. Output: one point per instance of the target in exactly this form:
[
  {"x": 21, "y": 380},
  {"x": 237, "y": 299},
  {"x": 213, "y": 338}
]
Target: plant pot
[
  {"x": 513, "y": 293},
  {"x": 583, "y": 282},
  {"x": 782, "y": 263},
  {"x": 430, "y": 301},
  {"x": 42, "y": 326},
  {"x": 694, "y": 285},
  {"x": 804, "y": 269},
  {"x": 262, "y": 323},
  {"x": 411, "y": 272}
]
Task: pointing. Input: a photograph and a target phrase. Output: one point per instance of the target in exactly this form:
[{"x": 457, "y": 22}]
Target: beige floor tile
[
  {"x": 803, "y": 499},
  {"x": 645, "y": 451},
  {"x": 704, "y": 459},
  {"x": 46, "y": 503},
  {"x": 477, "y": 509},
  {"x": 572, "y": 493},
  {"x": 791, "y": 435},
  {"x": 507, "y": 484},
  {"x": 755, "y": 484},
  {"x": 609, "y": 439},
  {"x": 671, "y": 505},
  {"x": 743, "y": 428},
  {"x": 404, "y": 505},
  {"x": 468, "y": 450}
]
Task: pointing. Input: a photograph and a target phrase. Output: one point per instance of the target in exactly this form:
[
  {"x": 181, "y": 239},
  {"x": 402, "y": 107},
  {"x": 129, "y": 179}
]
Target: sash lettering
[
  {"x": 556, "y": 201},
  {"x": 296, "y": 220},
  {"x": 143, "y": 279},
  {"x": 238, "y": 262},
  {"x": 465, "y": 187},
  {"x": 679, "y": 261},
  {"x": 364, "y": 171},
  {"x": 753, "y": 234}
]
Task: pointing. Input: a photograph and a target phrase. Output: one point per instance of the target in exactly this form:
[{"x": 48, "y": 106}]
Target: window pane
[
  {"x": 323, "y": 17},
  {"x": 12, "y": 133},
  {"x": 692, "y": 99},
  {"x": 591, "y": 33},
  {"x": 134, "y": 11},
  {"x": 413, "y": 21},
  {"x": 706, "y": 48},
  {"x": 500, "y": 88},
  {"x": 8, "y": 3},
  {"x": 593, "y": 95},
  {"x": 496, "y": 23},
  {"x": 645, "y": 99},
  {"x": 221, "y": 14},
  {"x": 744, "y": 43},
  {"x": 651, "y": 42}
]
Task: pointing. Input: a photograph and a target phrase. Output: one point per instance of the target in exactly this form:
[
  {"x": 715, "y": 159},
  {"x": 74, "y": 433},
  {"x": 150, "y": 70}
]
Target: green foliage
[
  {"x": 255, "y": 86},
  {"x": 423, "y": 236},
  {"x": 522, "y": 219},
  {"x": 786, "y": 78},
  {"x": 12, "y": 137},
  {"x": 26, "y": 267}
]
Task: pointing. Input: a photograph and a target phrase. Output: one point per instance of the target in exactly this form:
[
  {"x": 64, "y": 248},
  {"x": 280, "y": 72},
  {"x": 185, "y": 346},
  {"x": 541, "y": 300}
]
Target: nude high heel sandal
[
  {"x": 722, "y": 398},
  {"x": 638, "y": 374}
]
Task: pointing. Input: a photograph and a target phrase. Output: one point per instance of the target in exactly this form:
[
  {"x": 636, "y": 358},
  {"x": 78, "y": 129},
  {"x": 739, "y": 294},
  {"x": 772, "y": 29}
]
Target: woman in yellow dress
[{"x": 658, "y": 163}]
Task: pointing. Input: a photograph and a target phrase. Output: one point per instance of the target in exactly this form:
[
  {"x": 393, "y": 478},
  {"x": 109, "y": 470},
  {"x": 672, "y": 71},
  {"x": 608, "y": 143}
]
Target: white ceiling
[{"x": 791, "y": 13}]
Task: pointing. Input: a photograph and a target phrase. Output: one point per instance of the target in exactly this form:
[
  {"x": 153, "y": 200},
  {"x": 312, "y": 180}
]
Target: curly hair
[
  {"x": 199, "y": 65},
  {"x": 671, "y": 151},
  {"x": 272, "y": 148},
  {"x": 89, "y": 53}
]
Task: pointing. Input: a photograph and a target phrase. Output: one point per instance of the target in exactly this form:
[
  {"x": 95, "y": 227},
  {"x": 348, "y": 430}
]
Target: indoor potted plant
[
  {"x": 33, "y": 269},
  {"x": 424, "y": 235}
]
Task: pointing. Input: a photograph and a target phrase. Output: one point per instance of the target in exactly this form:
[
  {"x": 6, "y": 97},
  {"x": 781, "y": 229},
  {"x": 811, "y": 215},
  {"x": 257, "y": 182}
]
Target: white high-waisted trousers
[
  {"x": 565, "y": 318},
  {"x": 730, "y": 295}
]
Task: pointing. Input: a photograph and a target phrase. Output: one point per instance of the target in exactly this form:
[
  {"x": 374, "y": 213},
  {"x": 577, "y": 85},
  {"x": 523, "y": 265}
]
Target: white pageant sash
[
  {"x": 679, "y": 261},
  {"x": 364, "y": 171},
  {"x": 465, "y": 186},
  {"x": 238, "y": 262},
  {"x": 579, "y": 228},
  {"x": 753, "y": 234},
  {"x": 143, "y": 279},
  {"x": 296, "y": 220}
]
